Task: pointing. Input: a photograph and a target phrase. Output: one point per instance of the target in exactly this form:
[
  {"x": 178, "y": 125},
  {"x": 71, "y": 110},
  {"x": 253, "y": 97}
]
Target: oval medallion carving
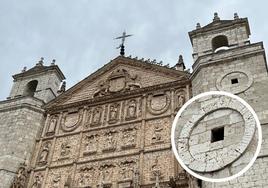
[
  {"x": 235, "y": 82},
  {"x": 158, "y": 103},
  {"x": 70, "y": 121}
]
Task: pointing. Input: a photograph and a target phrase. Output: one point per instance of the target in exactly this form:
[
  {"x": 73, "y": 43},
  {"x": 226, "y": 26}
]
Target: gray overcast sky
[{"x": 79, "y": 34}]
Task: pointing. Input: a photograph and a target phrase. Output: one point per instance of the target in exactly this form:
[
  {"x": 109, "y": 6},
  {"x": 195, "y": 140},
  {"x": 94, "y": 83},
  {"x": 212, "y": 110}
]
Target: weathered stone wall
[
  {"x": 20, "y": 122},
  {"x": 216, "y": 72}
]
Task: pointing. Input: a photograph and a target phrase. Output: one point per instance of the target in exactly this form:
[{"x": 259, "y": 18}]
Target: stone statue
[
  {"x": 91, "y": 144},
  {"x": 156, "y": 169},
  {"x": 51, "y": 127},
  {"x": 56, "y": 181},
  {"x": 96, "y": 115},
  {"x": 38, "y": 178},
  {"x": 110, "y": 142},
  {"x": 44, "y": 154},
  {"x": 157, "y": 134},
  {"x": 113, "y": 112},
  {"x": 181, "y": 101},
  {"x": 20, "y": 180},
  {"x": 132, "y": 109},
  {"x": 65, "y": 149}
]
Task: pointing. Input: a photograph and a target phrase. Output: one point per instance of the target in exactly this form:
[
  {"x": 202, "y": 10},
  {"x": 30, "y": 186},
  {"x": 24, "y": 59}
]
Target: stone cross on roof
[{"x": 121, "y": 46}]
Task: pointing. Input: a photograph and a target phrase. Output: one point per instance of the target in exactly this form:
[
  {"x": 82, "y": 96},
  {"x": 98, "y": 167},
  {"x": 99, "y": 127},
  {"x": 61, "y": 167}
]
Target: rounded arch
[
  {"x": 31, "y": 88},
  {"x": 220, "y": 43}
]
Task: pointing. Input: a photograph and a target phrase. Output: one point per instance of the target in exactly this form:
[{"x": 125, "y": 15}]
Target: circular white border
[{"x": 174, "y": 148}]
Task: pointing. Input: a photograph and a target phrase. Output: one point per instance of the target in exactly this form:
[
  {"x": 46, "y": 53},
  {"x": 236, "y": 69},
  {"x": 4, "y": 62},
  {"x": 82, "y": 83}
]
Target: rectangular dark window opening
[
  {"x": 234, "y": 81},
  {"x": 217, "y": 134}
]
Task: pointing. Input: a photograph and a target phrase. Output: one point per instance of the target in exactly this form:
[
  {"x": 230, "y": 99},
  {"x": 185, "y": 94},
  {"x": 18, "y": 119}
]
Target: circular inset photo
[{"x": 216, "y": 136}]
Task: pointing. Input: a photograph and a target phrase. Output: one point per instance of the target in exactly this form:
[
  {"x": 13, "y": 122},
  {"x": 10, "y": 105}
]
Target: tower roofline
[
  {"x": 39, "y": 69},
  {"x": 217, "y": 25}
]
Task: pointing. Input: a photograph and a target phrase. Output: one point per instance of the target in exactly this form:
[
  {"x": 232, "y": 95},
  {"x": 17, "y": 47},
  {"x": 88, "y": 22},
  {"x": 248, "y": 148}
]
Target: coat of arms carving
[{"x": 119, "y": 80}]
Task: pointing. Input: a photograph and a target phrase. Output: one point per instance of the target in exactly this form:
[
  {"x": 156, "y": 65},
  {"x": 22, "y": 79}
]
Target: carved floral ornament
[
  {"x": 158, "y": 103},
  {"x": 118, "y": 81}
]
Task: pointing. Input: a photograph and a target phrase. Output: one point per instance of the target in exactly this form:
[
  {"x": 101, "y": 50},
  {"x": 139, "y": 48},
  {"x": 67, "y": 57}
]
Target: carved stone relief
[
  {"x": 37, "y": 180},
  {"x": 156, "y": 170},
  {"x": 114, "y": 110},
  {"x": 129, "y": 138},
  {"x": 158, "y": 103},
  {"x": 106, "y": 173},
  {"x": 158, "y": 134},
  {"x": 70, "y": 121},
  {"x": 43, "y": 156},
  {"x": 65, "y": 150},
  {"x": 51, "y": 128},
  {"x": 119, "y": 80},
  {"x": 131, "y": 109},
  {"x": 127, "y": 170},
  {"x": 180, "y": 99},
  {"x": 110, "y": 141},
  {"x": 59, "y": 178},
  {"x": 97, "y": 114},
  {"x": 91, "y": 144},
  {"x": 86, "y": 176},
  {"x": 21, "y": 178}
]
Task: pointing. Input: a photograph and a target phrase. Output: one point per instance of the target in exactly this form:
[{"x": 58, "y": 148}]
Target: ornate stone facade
[
  {"x": 112, "y": 129},
  {"x": 119, "y": 137}
]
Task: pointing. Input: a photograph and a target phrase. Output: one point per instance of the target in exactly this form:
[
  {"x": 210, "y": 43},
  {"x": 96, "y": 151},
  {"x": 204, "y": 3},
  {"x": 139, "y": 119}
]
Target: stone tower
[
  {"x": 21, "y": 115},
  {"x": 225, "y": 59}
]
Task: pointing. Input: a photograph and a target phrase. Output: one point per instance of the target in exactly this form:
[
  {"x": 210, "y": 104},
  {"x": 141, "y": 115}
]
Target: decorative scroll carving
[
  {"x": 119, "y": 80},
  {"x": 43, "y": 156},
  {"x": 131, "y": 109},
  {"x": 157, "y": 136},
  {"x": 52, "y": 126},
  {"x": 70, "y": 121},
  {"x": 91, "y": 145},
  {"x": 158, "y": 103},
  {"x": 110, "y": 141},
  {"x": 179, "y": 99},
  {"x": 114, "y": 113},
  {"x": 97, "y": 116},
  {"x": 129, "y": 138},
  {"x": 37, "y": 182},
  {"x": 65, "y": 150}
]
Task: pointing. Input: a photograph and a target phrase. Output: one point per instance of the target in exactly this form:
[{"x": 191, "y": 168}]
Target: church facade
[{"x": 113, "y": 128}]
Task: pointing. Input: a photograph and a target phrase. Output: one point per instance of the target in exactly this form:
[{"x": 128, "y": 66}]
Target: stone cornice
[
  {"x": 232, "y": 54},
  {"x": 219, "y": 25},
  {"x": 113, "y": 63},
  {"x": 118, "y": 96}
]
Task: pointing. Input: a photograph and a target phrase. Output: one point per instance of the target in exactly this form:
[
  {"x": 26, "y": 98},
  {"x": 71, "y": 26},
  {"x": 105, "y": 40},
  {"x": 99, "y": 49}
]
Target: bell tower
[
  {"x": 22, "y": 116},
  {"x": 41, "y": 82},
  {"x": 226, "y": 60}
]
